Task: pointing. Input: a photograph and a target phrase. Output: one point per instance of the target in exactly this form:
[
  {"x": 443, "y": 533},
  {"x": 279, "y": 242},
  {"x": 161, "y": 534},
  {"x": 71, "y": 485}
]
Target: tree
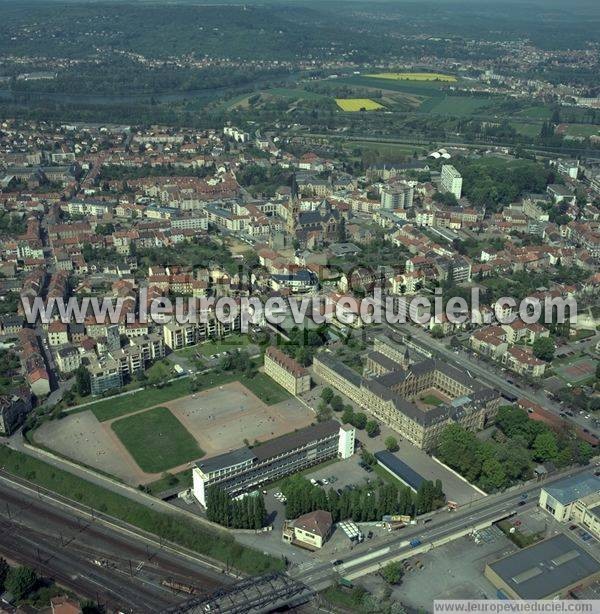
[
  {"x": 348, "y": 416},
  {"x": 359, "y": 420},
  {"x": 392, "y": 572},
  {"x": 336, "y": 403},
  {"x": 82, "y": 381},
  {"x": 391, "y": 444},
  {"x": 20, "y": 581},
  {"x": 327, "y": 394},
  {"x": 493, "y": 475},
  {"x": 437, "y": 332},
  {"x": 545, "y": 447},
  {"x": 324, "y": 412},
  {"x": 372, "y": 428},
  {"x": 543, "y": 348}
]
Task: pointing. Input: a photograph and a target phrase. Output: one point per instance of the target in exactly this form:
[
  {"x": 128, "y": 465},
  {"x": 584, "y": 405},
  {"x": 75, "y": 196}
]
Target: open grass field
[
  {"x": 114, "y": 407},
  {"x": 414, "y": 76},
  {"x": 582, "y": 130},
  {"x": 222, "y": 417},
  {"x": 455, "y": 105},
  {"x": 531, "y": 130},
  {"x": 535, "y": 112},
  {"x": 138, "y": 448},
  {"x": 414, "y": 88},
  {"x": 121, "y": 406},
  {"x": 227, "y": 344},
  {"x": 157, "y": 440},
  {"x": 352, "y": 105}
]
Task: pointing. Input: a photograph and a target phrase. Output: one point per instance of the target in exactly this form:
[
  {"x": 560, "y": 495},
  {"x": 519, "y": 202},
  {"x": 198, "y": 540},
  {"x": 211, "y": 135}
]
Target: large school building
[
  {"x": 246, "y": 469},
  {"x": 414, "y": 395}
]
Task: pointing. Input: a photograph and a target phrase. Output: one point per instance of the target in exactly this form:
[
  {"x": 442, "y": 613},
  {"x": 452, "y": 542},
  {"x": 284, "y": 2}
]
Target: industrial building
[
  {"x": 549, "y": 569},
  {"x": 246, "y": 469},
  {"x": 399, "y": 469}
]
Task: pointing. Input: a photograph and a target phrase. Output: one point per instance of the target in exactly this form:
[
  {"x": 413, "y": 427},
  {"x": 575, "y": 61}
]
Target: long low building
[
  {"x": 418, "y": 399},
  {"x": 246, "y": 469},
  {"x": 399, "y": 469}
]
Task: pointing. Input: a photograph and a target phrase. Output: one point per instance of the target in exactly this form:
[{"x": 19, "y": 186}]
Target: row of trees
[
  {"x": 245, "y": 513},
  {"x": 364, "y": 504},
  {"x": 507, "y": 458}
]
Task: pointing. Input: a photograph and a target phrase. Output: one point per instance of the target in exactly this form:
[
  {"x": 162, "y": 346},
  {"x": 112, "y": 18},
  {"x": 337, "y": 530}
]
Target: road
[
  {"x": 69, "y": 547},
  {"x": 369, "y": 556}
]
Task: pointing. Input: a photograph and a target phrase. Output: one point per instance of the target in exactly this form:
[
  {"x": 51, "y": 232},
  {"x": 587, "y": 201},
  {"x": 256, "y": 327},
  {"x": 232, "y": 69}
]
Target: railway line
[{"x": 95, "y": 561}]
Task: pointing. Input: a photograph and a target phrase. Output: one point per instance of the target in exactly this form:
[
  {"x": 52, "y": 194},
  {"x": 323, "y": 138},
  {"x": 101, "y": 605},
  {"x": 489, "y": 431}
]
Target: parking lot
[{"x": 452, "y": 571}]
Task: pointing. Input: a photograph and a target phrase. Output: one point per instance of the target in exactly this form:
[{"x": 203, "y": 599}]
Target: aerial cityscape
[{"x": 299, "y": 306}]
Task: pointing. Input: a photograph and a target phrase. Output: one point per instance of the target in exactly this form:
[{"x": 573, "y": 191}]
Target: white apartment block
[{"x": 451, "y": 180}]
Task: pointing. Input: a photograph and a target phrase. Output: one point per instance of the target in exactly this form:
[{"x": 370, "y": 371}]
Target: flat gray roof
[
  {"x": 546, "y": 568},
  {"x": 576, "y": 487}
]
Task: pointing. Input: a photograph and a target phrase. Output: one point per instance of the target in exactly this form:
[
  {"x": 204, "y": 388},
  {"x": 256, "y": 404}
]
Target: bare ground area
[
  {"x": 222, "y": 417},
  {"x": 82, "y": 438}
]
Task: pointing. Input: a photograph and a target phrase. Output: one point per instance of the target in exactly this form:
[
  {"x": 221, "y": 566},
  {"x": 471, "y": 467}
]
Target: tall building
[
  {"x": 451, "y": 181},
  {"x": 397, "y": 196},
  {"x": 246, "y": 469}
]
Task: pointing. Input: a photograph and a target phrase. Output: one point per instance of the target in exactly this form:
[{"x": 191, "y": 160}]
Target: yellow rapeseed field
[
  {"x": 357, "y": 104},
  {"x": 414, "y": 76}
]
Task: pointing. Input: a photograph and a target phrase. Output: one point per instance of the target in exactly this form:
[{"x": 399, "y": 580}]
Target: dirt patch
[
  {"x": 222, "y": 417},
  {"x": 82, "y": 438}
]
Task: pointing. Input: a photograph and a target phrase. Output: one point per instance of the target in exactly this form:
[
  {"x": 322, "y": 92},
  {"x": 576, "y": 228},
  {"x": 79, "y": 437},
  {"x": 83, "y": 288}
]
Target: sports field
[
  {"x": 577, "y": 370},
  {"x": 170, "y": 433},
  {"x": 156, "y": 440},
  {"x": 414, "y": 76},
  {"x": 352, "y": 105}
]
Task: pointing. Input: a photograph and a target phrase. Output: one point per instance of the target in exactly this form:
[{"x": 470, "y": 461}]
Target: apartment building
[
  {"x": 14, "y": 408},
  {"x": 177, "y": 336},
  {"x": 105, "y": 374},
  {"x": 397, "y": 196},
  {"x": 286, "y": 371},
  {"x": 135, "y": 357},
  {"x": 451, "y": 181},
  {"x": 68, "y": 359}
]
